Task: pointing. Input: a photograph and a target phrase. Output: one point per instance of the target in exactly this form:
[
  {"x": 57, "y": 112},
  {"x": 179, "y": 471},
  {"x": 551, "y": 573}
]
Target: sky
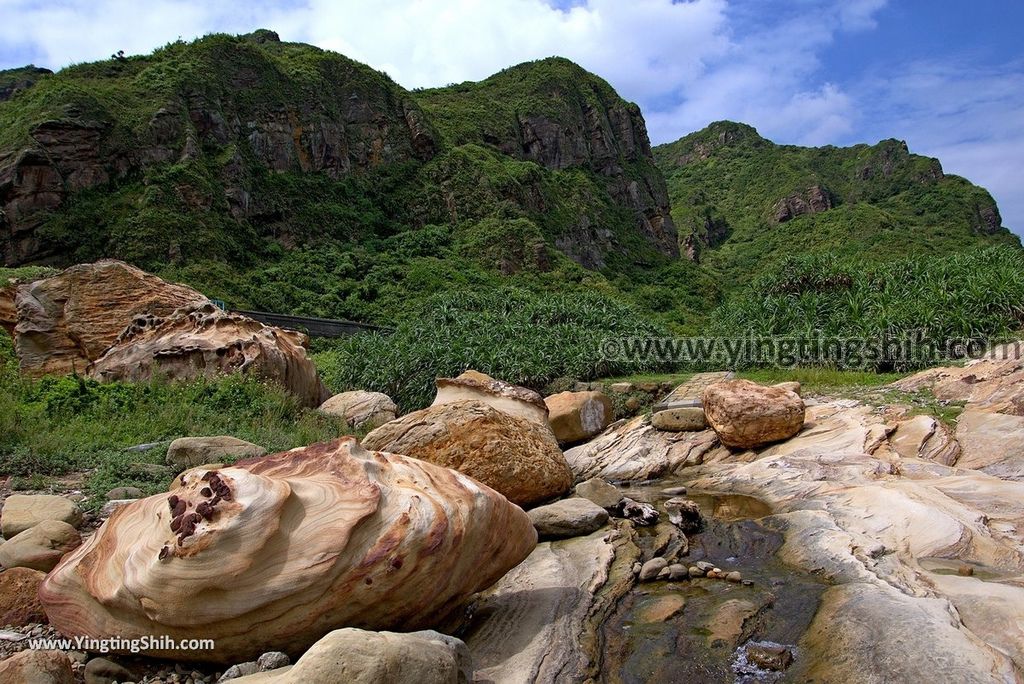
[{"x": 947, "y": 76}]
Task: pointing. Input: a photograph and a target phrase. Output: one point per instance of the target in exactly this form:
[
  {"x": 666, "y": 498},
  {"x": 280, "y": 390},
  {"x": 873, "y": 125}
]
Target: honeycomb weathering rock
[
  {"x": 65, "y": 321},
  {"x": 273, "y": 553},
  {"x": 205, "y": 341}
]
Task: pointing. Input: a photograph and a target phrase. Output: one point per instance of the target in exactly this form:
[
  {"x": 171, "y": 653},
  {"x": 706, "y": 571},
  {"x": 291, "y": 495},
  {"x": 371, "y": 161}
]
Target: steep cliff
[{"x": 742, "y": 202}]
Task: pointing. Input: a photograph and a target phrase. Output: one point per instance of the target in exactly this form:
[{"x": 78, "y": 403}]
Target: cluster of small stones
[
  {"x": 183, "y": 523},
  {"x": 659, "y": 570}
]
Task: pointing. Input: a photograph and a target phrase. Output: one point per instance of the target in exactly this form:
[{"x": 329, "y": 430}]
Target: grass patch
[{"x": 821, "y": 381}]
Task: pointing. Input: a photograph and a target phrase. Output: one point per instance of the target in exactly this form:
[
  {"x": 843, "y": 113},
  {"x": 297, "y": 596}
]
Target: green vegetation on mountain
[{"x": 744, "y": 204}]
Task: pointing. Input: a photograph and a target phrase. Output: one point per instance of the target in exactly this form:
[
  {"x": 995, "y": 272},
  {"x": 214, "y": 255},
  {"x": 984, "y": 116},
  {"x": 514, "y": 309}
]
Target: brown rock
[
  {"x": 22, "y": 511},
  {"x": 272, "y": 552},
  {"x": 37, "y": 667},
  {"x": 746, "y": 415},
  {"x": 203, "y": 341},
  {"x": 69, "y": 320},
  {"x": 8, "y": 312},
  {"x": 361, "y": 410},
  {"x": 513, "y": 399},
  {"x": 681, "y": 419},
  {"x": 575, "y": 416},
  {"x": 515, "y": 456},
  {"x": 19, "y": 601},
  {"x": 40, "y": 547}
]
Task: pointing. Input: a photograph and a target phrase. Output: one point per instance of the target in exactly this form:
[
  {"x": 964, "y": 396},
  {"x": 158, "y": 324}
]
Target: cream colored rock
[
  {"x": 683, "y": 419},
  {"x": 37, "y": 667},
  {"x": 22, "y": 511},
  {"x": 203, "y": 341},
  {"x": 994, "y": 383},
  {"x": 792, "y": 385},
  {"x": 361, "y": 410},
  {"x": 925, "y": 437},
  {"x": 357, "y": 656},
  {"x": 69, "y": 320},
  {"x": 518, "y": 401},
  {"x": 272, "y": 553},
  {"x": 515, "y": 456},
  {"x": 635, "y": 450},
  {"x": 189, "y": 452},
  {"x": 747, "y": 415},
  {"x": 575, "y": 416},
  {"x": 40, "y": 547},
  {"x": 991, "y": 442}
]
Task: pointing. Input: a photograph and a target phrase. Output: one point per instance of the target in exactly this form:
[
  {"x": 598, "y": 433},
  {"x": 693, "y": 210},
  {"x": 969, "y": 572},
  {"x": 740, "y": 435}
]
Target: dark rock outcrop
[{"x": 812, "y": 201}]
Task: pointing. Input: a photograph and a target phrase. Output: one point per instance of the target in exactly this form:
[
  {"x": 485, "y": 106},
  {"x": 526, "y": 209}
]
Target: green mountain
[{"x": 743, "y": 204}]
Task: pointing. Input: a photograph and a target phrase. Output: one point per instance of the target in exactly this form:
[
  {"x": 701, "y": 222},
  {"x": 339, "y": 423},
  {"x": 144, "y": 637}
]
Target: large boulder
[
  {"x": 203, "y": 341},
  {"x": 575, "y": 416},
  {"x": 272, "y": 553},
  {"x": 22, "y": 511},
  {"x": 746, "y": 415},
  {"x": 357, "y": 656},
  {"x": 189, "y": 452},
  {"x": 360, "y": 409},
  {"x": 19, "y": 599},
  {"x": 573, "y": 517},
  {"x": 513, "y": 399},
  {"x": 40, "y": 547},
  {"x": 66, "y": 321},
  {"x": 518, "y": 457}
]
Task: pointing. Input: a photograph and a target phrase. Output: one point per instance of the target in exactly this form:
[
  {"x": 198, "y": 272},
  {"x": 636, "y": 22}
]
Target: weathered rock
[
  {"x": 638, "y": 512},
  {"x": 792, "y": 385},
  {"x": 677, "y": 571},
  {"x": 651, "y": 569},
  {"x": 287, "y": 546},
  {"x": 361, "y": 657},
  {"x": 69, "y": 320},
  {"x": 105, "y": 671},
  {"x": 683, "y": 419},
  {"x": 517, "y": 457},
  {"x": 271, "y": 660},
  {"x": 768, "y": 656},
  {"x": 189, "y": 452},
  {"x": 204, "y": 341},
  {"x": 685, "y": 515},
  {"x": 634, "y": 450},
  {"x": 8, "y": 312},
  {"x": 112, "y": 505},
  {"x": 541, "y": 621},
  {"x": 121, "y": 493},
  {"x": 22, "y": 511},
  {"x": 513, "y": 399},
  {"x": 573, "y": 517},
  {"x": 575, "y": 416},
  {"x": 600, "y": 492},
  {"x": 19, "y": 600},
  {"x": 361, "y": 410},
  {"x": 37, "y": 667},
  {"x": 991, "y": 442},
  {"x": 40, "y": 547},
  {"x": 734, "y": 576},
  {"x": 745, "y": 415},
  {"x": 239, "y": 670}
]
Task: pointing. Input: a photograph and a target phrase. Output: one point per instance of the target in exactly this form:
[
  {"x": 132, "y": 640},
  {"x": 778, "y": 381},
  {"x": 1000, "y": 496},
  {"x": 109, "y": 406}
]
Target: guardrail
[{"x": 314, "y": 327}]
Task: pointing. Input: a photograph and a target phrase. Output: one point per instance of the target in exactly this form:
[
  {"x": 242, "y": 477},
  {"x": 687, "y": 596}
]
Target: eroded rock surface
[{"x": 274, "y": 552}]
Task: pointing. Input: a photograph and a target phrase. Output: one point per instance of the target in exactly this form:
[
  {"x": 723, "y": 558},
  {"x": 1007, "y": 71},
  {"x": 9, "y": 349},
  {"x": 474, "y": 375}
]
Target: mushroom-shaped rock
[
  {"x": 515, "y": 456},
  {"x": 201, "y": 341},
  {"x": 746, "y": 415},
  {"x": 273, "y": 552},
  {"x": 519, "y": 401}
]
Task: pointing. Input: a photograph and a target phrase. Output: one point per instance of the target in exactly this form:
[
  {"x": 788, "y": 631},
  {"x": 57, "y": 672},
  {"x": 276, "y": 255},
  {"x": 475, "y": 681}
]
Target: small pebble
[
  {"x": 694, "y": 571},
  {"x": 965, "y": 571},
  {"x": 734, "y": 576}
]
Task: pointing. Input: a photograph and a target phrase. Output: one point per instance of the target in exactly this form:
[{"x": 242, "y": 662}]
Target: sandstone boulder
[
  {"x": 573, "y": 517},
  {"x": 37, "y": 667},
  {"x": 361, "y": 410},
  {"x": 69, "y": 320},
  {"x": 22, "y": 511},
  {"x": 746, "y": 415},
  {"x": 105, "y": 671},
  {"x": 680, "y": 419},
  {"x": 8, "y": 312},
  {"x": 575, "y": 416},
  {"x": 275, "y": 551},
  {"x": 516, "y": 456},
  {"x": 189, "y": 452},
  {"x": 356, "y": 656},
  {"x": 19, "y": 600},
  {"x": 512, "y": 399},
  {"x": 600, "y": 492},
  {"x": 203, "y": 341},
  {"x": 40, "y": 547}
]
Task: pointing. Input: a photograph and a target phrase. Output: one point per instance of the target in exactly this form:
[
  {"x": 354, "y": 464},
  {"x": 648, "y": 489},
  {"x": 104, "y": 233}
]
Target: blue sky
[{"x": 947, "y": 76}]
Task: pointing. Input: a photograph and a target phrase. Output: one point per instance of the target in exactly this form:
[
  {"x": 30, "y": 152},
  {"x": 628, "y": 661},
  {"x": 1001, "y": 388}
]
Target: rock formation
[
  {"x": 274, "y": 552},
  {"x": 40, "y": 547},
  {"x": 190, "y": 452},
  {"x": 204, "y": 341},
  {"x": 746, "y": 415},
  {"x": 575, "y": 416},
  {"x": 512, "y": 399},
  {"x": 515, "y": 456},
  {"x": 66, "y": 321},
  {"x": 23, "y": 511},
  {"x": 360, "y": 409}
]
